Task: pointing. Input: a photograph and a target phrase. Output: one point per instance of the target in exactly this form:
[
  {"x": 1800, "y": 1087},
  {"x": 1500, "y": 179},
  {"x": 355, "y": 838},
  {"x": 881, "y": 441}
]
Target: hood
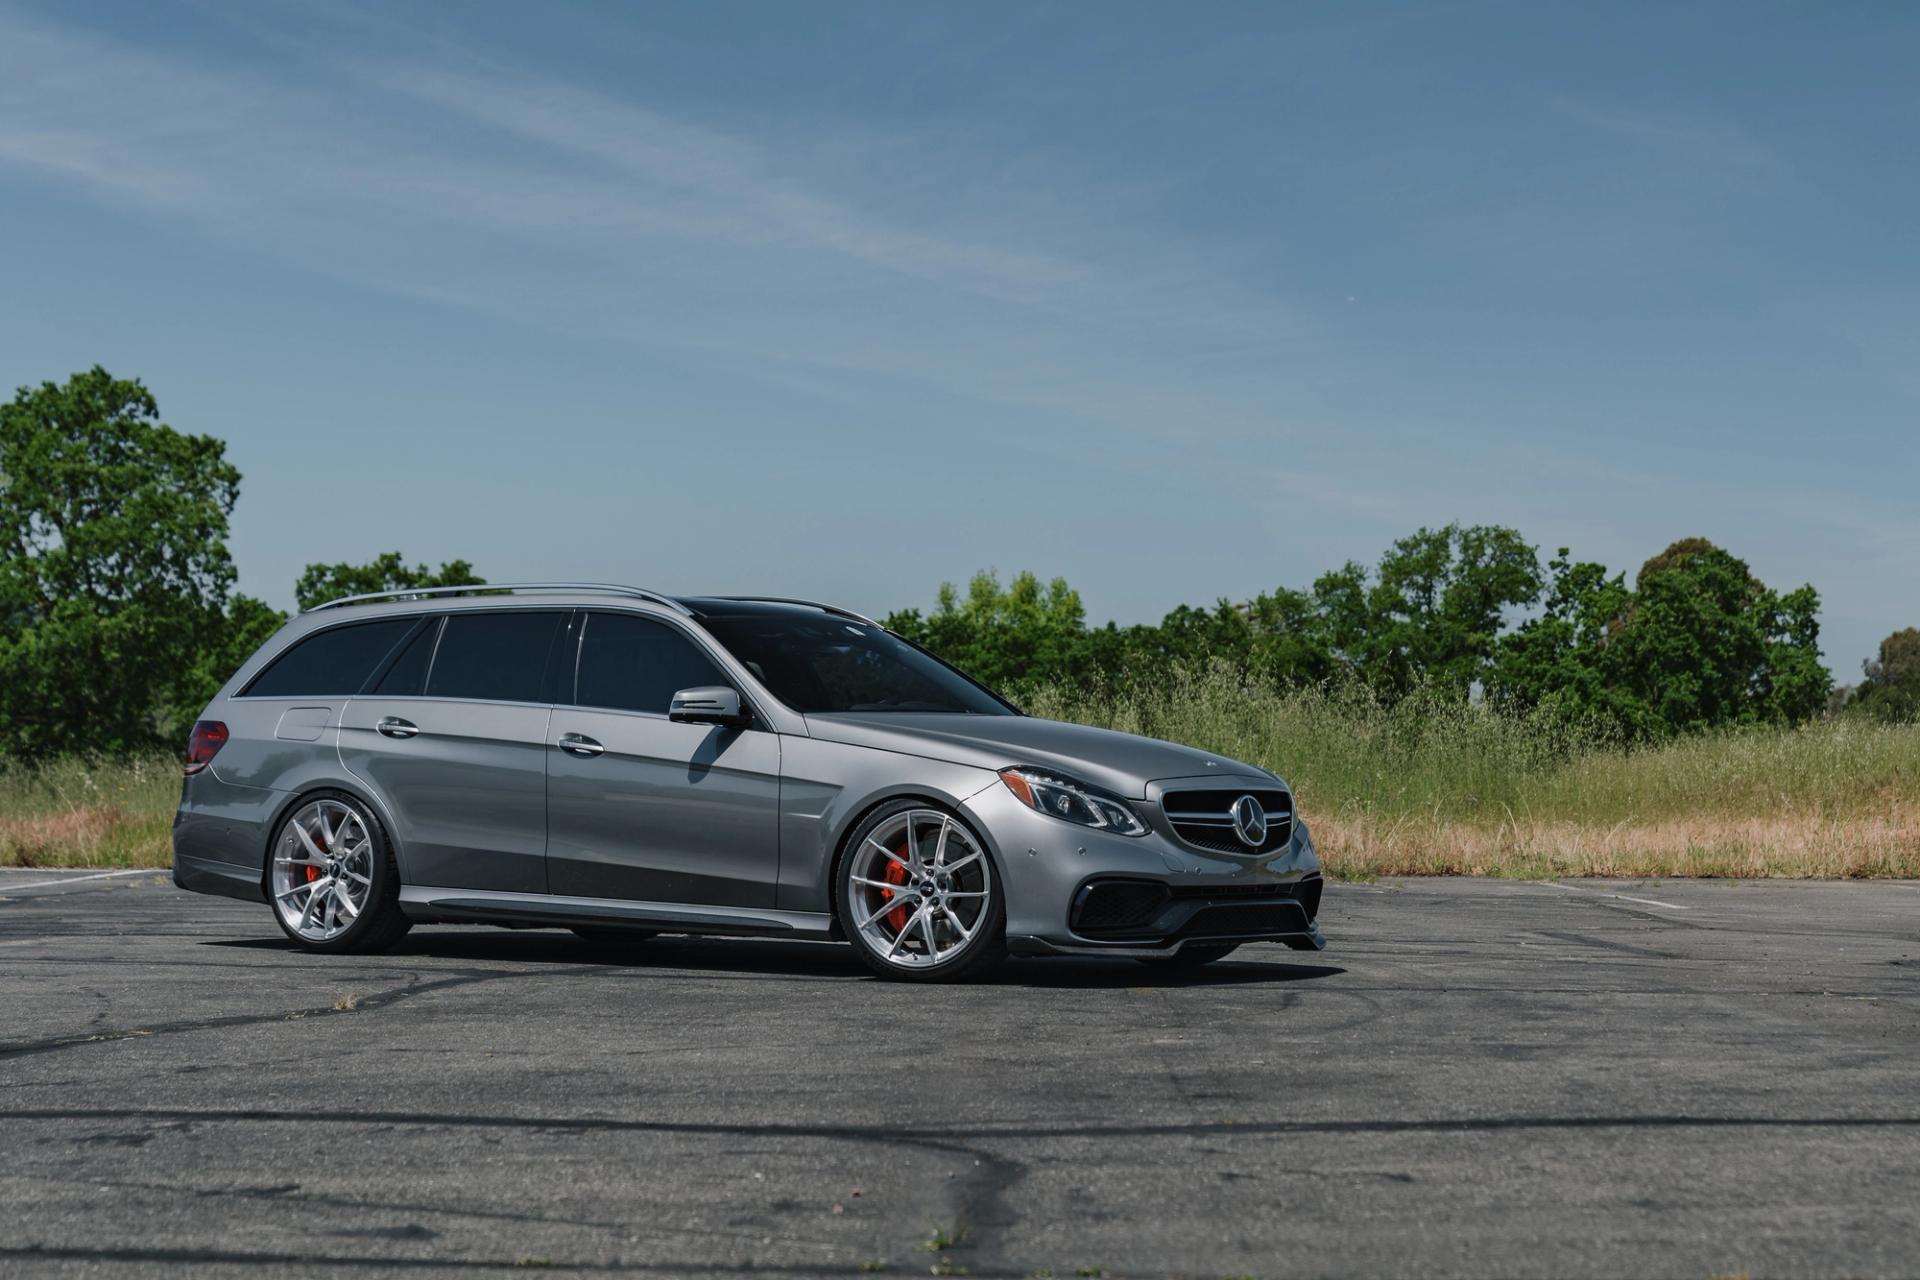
[{"x": 1122, "y": 763}]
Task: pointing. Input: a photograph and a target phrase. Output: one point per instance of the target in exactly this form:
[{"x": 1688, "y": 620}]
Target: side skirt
[{"x": 429, "y": 904}]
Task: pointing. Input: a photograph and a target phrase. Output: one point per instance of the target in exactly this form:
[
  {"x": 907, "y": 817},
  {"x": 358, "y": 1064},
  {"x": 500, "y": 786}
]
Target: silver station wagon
[{"x": 623, "y": 763}]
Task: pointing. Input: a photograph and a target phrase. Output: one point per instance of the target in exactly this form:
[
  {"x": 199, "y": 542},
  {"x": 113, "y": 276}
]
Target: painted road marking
[
  {"x": 6, "y": 888},
  {"x": 1624, "y": 897}
]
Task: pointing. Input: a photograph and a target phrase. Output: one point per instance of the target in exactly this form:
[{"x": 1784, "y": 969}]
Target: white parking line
[
  {"x": 6, "y": 888},
  {"x": 1624, "y": 897}
]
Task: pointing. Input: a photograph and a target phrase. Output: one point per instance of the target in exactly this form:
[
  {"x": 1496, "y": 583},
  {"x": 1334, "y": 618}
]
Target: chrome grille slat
[{"x": 1203, "y": 818}]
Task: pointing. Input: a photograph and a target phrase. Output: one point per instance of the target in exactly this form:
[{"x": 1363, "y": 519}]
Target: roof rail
[
  {"x": 834, "y": 609},
  {"x": 491, "y": 588}
]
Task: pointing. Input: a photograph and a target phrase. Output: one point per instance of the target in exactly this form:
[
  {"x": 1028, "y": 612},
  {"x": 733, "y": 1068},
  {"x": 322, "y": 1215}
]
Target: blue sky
[{"x": 1178, "y": 301}]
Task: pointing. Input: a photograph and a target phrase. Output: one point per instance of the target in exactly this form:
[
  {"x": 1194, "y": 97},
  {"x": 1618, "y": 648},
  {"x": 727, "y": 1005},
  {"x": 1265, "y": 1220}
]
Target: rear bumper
[
  {"x": 204, "y": 875},
  {"x": 220, "y": 837}
]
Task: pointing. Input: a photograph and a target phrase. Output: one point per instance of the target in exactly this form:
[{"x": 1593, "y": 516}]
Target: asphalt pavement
[{"x": 1477, "y": 1078}]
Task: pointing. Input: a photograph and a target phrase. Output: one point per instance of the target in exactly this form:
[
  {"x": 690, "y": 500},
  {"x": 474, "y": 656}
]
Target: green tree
[
  {"x": 1705, "y": 643},
  {"x": 1557, "y": 662},
  {"x": 1011, "y": 637},
  {"x": 1440, "y": 603},
  {"x": 1699, "y": 643},
  {"x": 249, "y": 623},
  {"x": 1891, "y": 690},
  {"x": 114, "y": 572},
  {"x": 386, "y": 572}
]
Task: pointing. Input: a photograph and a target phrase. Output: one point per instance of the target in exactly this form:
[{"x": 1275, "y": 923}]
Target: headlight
[{"x": 1058, "y": 797}]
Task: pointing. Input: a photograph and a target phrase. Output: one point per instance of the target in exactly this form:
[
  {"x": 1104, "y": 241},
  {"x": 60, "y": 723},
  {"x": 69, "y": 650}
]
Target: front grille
[
  {"x": 1204, "y": 819},
  {"x": 1117, "y": 906}
]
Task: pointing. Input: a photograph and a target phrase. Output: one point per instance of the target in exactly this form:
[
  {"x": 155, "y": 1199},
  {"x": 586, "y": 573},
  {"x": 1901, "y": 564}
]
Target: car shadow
[{"x": 750, "y": 956}]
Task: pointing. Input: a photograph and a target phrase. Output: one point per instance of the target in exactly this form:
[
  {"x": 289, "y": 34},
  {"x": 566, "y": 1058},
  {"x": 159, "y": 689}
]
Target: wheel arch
[
  {"x": 293, "y": 801},
  {"x": 931, "y": 797}
]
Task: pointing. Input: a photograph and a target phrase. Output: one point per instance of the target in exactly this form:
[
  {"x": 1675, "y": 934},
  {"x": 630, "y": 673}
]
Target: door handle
[
  {"x": 395, "y": 727},
  {"x": 579, "y": 744}
]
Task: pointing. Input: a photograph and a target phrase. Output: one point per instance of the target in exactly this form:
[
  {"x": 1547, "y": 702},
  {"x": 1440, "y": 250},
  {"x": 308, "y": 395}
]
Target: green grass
[{"x": 1427, "y": 786}]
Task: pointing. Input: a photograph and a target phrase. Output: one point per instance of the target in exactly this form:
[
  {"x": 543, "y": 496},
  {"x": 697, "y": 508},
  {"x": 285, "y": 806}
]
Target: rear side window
[
  {"x": 500, "y": 657},
  {"x": 407, "y": 676},
  {"x": 330, "y": 664},
  {"x": 629, "y": 663}
]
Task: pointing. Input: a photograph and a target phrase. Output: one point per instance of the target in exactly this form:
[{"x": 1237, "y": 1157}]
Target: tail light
[{"x": 205, "y": 742}]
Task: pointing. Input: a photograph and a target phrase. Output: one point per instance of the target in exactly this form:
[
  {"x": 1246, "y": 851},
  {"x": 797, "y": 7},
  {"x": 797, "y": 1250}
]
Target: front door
[{"x": 644, "y": 809}]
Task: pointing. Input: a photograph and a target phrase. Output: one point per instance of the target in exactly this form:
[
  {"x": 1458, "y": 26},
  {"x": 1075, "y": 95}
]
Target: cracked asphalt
[{"x": 1477, "y": 1078}]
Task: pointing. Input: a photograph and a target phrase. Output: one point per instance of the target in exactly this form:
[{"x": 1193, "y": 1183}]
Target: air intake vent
[{"x": 1117, "y": 906}]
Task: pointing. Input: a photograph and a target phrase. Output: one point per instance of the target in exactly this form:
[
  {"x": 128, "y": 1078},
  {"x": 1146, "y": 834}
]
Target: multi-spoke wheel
[
  {"x": 918, "y": 897},
  {"x": 333, "y": 881}
]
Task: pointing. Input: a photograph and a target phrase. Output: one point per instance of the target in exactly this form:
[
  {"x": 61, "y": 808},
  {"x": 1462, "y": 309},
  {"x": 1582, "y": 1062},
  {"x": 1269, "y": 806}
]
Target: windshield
[{"x": 830, "y": 664}]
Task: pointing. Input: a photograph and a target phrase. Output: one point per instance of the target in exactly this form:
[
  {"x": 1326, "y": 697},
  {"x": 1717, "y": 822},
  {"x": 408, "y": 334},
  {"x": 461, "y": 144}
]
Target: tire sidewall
[{"x": 987, "y": 946}]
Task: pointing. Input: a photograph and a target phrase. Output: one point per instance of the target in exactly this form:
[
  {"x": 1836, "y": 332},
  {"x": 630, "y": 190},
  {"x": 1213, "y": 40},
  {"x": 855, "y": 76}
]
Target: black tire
[
  {"x": 970, "y": 960},
  {"x": 1189, "y": 957},
  {"x": 381, "y": 923},
  {"x": 611, "y": 935}
]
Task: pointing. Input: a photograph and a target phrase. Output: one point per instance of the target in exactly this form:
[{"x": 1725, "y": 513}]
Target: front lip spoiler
[{"x": 1311, "y": 940}]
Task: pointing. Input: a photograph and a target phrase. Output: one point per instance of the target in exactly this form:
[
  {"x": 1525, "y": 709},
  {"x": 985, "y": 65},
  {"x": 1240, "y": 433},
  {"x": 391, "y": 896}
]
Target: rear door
[
  {"x": 452, "y": 735},
  {"x": 641, "y": 808}
]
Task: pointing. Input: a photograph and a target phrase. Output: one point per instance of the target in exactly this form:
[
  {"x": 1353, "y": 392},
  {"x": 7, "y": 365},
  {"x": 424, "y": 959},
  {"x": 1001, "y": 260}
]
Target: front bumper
[{"x": 1065, "y": 885}]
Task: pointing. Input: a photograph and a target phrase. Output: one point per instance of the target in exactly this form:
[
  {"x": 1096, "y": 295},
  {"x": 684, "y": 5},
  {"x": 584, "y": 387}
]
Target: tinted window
[
  {"x": 330, "y": 664},
  {"x": 636, "y": 664},
  {"x": 498, "y": 656},
  {"x": 828, "y": 664},
  {"x": 407, "y": 677}
]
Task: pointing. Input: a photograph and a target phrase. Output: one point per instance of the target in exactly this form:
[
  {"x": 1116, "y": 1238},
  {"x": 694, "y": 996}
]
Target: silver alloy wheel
[
  {"x": 322, "y": 870},
  {"x": 919, "y": 888}
]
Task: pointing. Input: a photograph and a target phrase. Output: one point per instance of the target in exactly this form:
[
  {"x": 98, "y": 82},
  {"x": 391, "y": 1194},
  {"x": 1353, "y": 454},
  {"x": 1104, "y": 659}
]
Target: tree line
[
  {"x": 119, "y": 618},
  {"x": 1695, "y": 642}
]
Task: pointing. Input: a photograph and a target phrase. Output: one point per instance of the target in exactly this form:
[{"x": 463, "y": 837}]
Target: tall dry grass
[
  {"x": 1427, "y": 786},
  {"x": 76, "y": 813},
  {"x": 1433, "y": 786}
]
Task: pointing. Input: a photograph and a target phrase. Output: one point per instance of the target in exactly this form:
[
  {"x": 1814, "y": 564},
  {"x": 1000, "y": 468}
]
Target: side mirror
[{"x": 709, "y": 704}]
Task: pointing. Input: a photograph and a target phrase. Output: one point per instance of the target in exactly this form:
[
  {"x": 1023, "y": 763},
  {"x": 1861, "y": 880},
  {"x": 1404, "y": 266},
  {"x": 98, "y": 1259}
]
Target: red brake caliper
[
  {"x": 895, "y": 874},
  {"x": 313, "y": 872}
]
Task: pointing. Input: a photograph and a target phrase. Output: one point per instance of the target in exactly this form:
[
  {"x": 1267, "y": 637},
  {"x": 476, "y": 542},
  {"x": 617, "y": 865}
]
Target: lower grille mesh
[
  {"x": 1141, "y": 907},
  {"x": 1230, "y": 921}
]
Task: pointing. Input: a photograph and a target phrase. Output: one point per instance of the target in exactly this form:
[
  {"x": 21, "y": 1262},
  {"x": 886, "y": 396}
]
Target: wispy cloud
[
  {"x": 1683, "y": 133},
  {"x": 572, "y": 209}
]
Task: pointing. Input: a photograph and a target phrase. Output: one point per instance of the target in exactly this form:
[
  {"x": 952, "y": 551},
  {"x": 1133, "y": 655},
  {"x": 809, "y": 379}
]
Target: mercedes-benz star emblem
[{"x": 1249, "y": 822}]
